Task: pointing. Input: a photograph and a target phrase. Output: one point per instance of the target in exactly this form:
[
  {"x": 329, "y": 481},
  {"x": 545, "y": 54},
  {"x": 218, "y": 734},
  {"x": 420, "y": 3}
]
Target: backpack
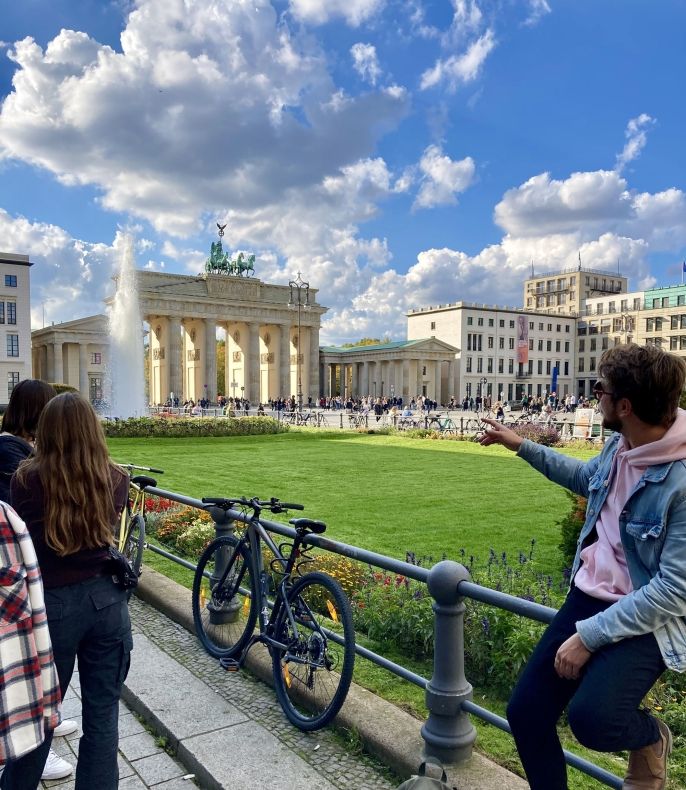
[{"x": 420, "y": 780}]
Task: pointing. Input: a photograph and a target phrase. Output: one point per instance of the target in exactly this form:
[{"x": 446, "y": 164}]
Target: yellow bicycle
[{"x": 131, "y": 536}]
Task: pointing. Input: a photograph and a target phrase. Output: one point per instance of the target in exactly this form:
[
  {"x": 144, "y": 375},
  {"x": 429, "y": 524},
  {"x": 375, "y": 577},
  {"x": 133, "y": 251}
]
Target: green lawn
[{"x": 384, "y": 493}]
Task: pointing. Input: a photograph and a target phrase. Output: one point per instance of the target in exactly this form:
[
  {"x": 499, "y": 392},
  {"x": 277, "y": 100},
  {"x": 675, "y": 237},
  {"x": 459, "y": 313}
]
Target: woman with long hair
[
  {"x": 70, "y": 495},
  {"x": 19, "y": 423}
]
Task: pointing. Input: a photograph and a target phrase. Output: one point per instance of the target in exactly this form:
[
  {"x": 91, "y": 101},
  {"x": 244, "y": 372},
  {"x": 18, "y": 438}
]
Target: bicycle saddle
[
  {"x": 308, "y": 524},
  {"x": 143, "y": 482}
]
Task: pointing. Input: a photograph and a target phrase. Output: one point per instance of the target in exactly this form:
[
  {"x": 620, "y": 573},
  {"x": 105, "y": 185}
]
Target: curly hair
[{"x": 650, "y": 378}]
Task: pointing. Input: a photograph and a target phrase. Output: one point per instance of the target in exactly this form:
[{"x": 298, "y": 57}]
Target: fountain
[{"x": 127, "y": 382}]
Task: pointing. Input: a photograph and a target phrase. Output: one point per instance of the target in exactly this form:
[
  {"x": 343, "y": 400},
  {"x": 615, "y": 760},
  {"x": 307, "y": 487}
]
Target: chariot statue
[{"x": 220, "y": 263}]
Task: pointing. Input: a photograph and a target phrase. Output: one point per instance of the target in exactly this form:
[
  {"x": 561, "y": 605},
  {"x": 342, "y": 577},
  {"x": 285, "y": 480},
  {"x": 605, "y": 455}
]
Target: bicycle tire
[
  {"x": 223, "y": 622},
  {"x": 313, "y": 674},
  {"x": 135, "y": 542}
]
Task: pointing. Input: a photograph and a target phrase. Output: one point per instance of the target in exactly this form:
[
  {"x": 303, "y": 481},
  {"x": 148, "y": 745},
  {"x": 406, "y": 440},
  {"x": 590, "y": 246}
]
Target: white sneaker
[
  {"x": 56, "y": 767},
  {"x": 65, "y": 727}
]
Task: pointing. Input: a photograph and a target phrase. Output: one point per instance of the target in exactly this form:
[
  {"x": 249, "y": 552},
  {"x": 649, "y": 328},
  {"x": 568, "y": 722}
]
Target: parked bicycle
[
  {"x": 306, "y": 625},
  {"x": 131, "y": 535}
]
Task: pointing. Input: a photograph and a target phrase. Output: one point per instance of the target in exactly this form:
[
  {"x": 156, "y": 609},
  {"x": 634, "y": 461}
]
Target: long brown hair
[
  {"x": 75, "y": 471},
  {"x": 27, "y": 401}
]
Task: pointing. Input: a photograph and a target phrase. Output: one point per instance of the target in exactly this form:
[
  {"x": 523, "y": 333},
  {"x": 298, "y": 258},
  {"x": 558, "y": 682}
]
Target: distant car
[{"x": 513, "y": 405}]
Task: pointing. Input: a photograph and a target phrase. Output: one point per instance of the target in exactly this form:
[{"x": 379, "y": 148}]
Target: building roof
[
  {"x": 15, "y": 259},
  {"x": 394, "y": 344}
]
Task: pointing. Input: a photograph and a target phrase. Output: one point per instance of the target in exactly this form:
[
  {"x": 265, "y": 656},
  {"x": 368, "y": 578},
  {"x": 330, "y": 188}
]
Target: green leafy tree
[
  {"x": 367, "y": 341},
  {"x": 221, "y": 366}
]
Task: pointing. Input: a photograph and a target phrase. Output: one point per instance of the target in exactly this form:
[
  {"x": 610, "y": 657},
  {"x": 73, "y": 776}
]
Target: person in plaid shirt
[{"x": 29, "y": 688}]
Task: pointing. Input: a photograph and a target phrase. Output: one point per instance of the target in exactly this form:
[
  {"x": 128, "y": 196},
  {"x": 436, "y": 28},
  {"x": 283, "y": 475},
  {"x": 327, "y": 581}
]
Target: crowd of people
[{"x": 61, "y": 499}]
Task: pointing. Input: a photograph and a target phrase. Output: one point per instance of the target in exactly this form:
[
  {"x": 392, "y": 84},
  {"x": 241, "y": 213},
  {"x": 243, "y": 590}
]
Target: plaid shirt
[{"x": 29, "y": 688}]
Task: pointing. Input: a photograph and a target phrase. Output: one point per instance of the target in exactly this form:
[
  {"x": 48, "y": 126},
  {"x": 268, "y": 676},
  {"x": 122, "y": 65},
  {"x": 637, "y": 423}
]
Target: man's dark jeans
[
  {"x": 89, "y": 621},
  {"x": 604, "y": 703}
]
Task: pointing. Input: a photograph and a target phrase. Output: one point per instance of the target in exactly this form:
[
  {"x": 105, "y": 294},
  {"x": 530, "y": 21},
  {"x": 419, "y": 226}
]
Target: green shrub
[
  {"x": 196, "y": 538},
  {"x": 181, "y": 427},
  {"x": 570, "y": 527}
]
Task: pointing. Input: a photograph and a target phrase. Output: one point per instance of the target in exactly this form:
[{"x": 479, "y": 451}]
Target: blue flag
[{"x": 683, "y": 266}]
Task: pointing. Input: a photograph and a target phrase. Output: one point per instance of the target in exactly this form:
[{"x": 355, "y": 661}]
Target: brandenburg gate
[{"x": 262, "y": 352}]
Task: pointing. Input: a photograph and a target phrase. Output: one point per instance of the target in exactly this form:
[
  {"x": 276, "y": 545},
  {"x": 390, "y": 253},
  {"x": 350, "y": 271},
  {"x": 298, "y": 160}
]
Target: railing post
[
  {"x": 226, "y": 612},
  {"x": 448, "y": 731}
]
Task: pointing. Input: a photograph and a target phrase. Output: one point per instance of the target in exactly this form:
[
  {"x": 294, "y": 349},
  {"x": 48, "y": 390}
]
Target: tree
[
  {"x": 367, "y": 341},
  {"x": 221, "y": 367}
]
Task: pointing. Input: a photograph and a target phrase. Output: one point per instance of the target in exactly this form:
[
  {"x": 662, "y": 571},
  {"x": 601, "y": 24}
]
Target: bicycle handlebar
[
  {"x": 273, "y": 504},
  {"x": 142, "y": 468}
]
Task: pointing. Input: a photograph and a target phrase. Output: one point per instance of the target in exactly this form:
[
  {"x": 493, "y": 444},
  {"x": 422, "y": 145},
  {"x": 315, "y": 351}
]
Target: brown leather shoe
[{"x": 648, "y": 766}]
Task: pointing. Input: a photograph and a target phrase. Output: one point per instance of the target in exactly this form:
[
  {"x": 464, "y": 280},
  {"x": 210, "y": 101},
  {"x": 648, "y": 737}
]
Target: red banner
[{"x": 522, "y": 340}]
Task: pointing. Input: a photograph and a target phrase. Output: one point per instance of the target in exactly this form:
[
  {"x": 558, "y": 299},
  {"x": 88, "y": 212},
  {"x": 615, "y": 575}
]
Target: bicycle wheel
[
  {"x": 224, "y": 609},
  {"x": 312, "y": 673},
  {"x": 135, "y": 542}
]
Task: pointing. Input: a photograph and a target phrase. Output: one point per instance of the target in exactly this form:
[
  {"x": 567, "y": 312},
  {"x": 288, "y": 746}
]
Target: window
[
  {"x": 480, "y": 321},
  {"x": 557, "y": 346},
  {"x": 540, "y": 326},
  {"x": 531, "y": 324},
  {"x": 593, "y": 344},
  {"x": 547, "y": 367},
  {"x": 624, "y": 305},
  {"x": 611, "y": 307},
  {"x": 582, "y": 345},
  {"x": 469, "y": 365},
  {"x": 548, "y": 345},
  {"x": 559, "y": 328},
  {"x": 490, "y": 322},
  {"x": 10, "y": 281},
  {"x": 637, "y": 303},
  {"x": 605, "y": 343},
  {"x": 96, "y": 358},
  {"x": 540, "y": 367},
  {"x": 501, "y": 323},
  {"x": 470, "y": 320},
  {"x": 95, "y": 388},
  {"x": 433, "y": 324},
  {"x": 501, "y": 342},
  {"x": 510, "y": 342},
  {"x": 681, "y": 300},
  {"x": 12, "y": 381},
  {"x": 658, "y": 324},
  {"x": 673, "y": 343},
  {"x": 591, "y": 364},
  {"x": 530, "y": 368},
  {"x": 512, "y": 324},
  {"x": 510, "y": 365},
  {"x": 490, "y": 365},
  {"x": 12, "y": 345},
  {"x": 566, "y": 373},
  {"x": 650, "y": 324},
  {"x": 531, "y": 344},
  {"x": 11, "y": 312},
  {"x": 479, "y": 365},
  {"x": 567, "y": 328},
  {"x": 566, "y": 346},
  {"x": 682, "y": 343},
  {"x": 490, "y": 341},
  {"x": 581, "y": 364},
  {"x": 656, "y": 302},
  {"x": 599, "y": 308},
  {"x": 550, "y": 327},
  {"x": 682, "y": 319},
  {"x": 501, "y": 365},
  {"x": 540, "y": 345},
  {"x": 2, "y": 312}
]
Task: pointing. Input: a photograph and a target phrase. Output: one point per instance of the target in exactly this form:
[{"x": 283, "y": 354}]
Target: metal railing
[{"x": 448, "y": 732}]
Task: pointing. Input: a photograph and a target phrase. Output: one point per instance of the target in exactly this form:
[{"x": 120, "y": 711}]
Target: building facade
[
  {"x": 15, "y": 322},
  {"x": 504, "y": 352},
  {"x": 565, "y": 292},
  {"x": 74, "y": 353}
]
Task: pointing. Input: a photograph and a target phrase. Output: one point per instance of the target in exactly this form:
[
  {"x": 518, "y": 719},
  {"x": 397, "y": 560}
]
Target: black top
[
  {"x": 13, "y": 451},
  {"x": 28, "y": 501}
]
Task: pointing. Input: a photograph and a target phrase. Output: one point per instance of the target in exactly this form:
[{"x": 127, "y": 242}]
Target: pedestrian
[
  {"x": 70, "y": 496},
  {"x": 624, "y": 619}
]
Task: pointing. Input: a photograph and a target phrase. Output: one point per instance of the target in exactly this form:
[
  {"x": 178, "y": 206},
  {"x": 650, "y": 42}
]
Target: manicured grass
[{"x": 384, "y": 493}]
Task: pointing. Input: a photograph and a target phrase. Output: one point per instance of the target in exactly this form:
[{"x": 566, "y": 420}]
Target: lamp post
[{"x": 299, "y": 299}]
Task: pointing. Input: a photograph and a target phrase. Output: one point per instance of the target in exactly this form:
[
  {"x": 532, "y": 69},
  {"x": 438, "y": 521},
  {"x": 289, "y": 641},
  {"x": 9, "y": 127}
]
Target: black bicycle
[{"x": 304, "y": 619}]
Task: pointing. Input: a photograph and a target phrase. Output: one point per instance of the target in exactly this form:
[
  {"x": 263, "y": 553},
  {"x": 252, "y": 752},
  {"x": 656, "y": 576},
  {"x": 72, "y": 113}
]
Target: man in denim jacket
[{"x": 624, "y": 619}]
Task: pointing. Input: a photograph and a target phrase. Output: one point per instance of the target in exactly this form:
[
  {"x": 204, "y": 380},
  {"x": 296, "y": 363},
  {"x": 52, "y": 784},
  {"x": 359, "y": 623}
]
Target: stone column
[
  {"x": 228, "y": 375},
  {"x": 437, "y": 381},
  {"x": 58, "y": 364},
  {"x": 211, "y": 359},
  {"x": 332, "y": 379},
  {"x": 252, "y": 364},
  {"x": 285, "y": 360},
  {"x": 175, "y": 363},
  {"x": 364, "y": 380},
  {"x": 452, "y": 389},
  {"x": 354, "y": 383},
  {"x": 83, "y": 370},
  {"x": 419, "y": 378},
  {"x": 405, "y": 381},
  {"x": 313, "y": 378}
]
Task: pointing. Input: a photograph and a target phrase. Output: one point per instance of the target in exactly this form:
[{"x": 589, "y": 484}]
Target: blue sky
[{"x": 398, "y": 153}]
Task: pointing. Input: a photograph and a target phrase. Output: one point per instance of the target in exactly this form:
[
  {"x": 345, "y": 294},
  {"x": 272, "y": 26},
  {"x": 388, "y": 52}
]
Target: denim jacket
[{"x": 652, "y": 527}]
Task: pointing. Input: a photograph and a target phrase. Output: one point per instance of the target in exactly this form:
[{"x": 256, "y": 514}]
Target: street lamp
[{"x": 301, "y": 290}]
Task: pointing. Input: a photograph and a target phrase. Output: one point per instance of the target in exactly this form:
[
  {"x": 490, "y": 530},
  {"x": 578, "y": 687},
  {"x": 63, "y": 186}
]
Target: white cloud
[
  {"x": 537, "y": 10},
  {"x": 461, "y": 69},
  {"x": 206, "y": 104},
  {"x": 636, "y": 138},
  {"x": 442, "y": 178},
  {"x": 365, "y": 62},
  {"x": 318, "y": 12}
]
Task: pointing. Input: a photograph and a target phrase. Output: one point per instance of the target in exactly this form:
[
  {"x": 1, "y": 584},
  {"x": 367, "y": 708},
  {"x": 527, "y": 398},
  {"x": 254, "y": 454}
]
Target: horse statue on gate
[
  {"x": 243, "y": 265},
  {"x": 218, "y": 262}
]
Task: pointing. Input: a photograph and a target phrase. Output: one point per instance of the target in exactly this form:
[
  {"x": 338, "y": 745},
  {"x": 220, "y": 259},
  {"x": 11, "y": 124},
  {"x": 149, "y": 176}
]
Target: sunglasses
[{"x": 599, "y": 391}]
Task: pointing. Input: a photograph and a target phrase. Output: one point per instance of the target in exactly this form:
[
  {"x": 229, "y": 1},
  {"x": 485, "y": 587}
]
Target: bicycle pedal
[{"x": 230, "y": 664}]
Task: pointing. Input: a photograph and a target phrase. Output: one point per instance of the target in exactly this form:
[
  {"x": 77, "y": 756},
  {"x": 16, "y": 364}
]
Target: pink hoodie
[{"x": 603, "y": 573}]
